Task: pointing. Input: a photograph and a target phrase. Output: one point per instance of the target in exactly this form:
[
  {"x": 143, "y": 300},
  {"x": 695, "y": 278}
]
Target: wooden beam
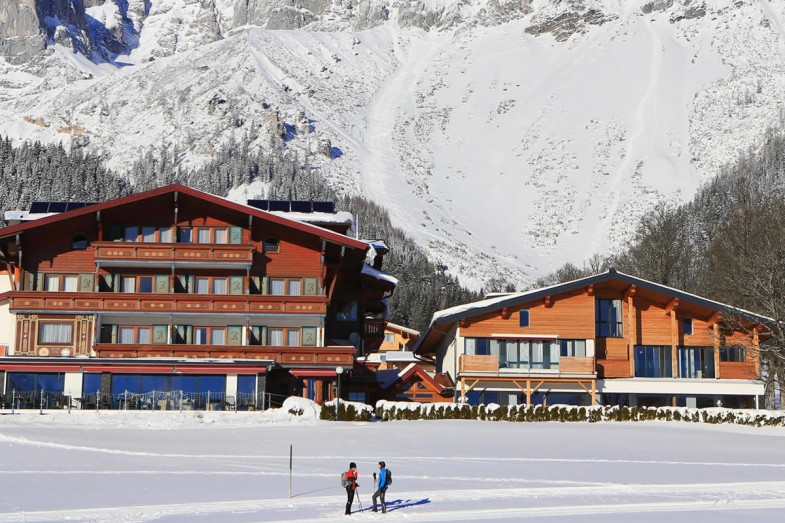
[
  {"x": 756, "y": 345},
  {"x": 674, "y": 341},
  {"x": 548, "y": 301},
  {"x": 630, "y": 292},
  {"x": 716, "y": 329},
  {"x": 505, "y": 312},
  {"x": 672, "y": 305},
  {"x": 714, "y": 318},
  {"x": 631, "y": 332},
  {"x": 590, "y": 290}
]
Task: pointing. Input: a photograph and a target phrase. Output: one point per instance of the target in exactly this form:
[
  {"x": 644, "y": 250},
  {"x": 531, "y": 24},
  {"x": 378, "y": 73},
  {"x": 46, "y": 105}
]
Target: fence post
[
  {"x": 97, "y": 399},
  {"x": 207, "y": 406},
  {"x": 41, "y": 404},
  {"x": 181, "y": 401},
  {"x": 13, "y": 401}
]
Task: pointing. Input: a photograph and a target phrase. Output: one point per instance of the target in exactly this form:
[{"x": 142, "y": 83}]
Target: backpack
[
  {"x": 388, "y": 478},
  {"x": 345, "y": 482}
]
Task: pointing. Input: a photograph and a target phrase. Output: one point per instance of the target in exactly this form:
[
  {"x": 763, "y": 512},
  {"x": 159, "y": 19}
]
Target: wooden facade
[
  {"x": 656, "y": 334},
  {"x": 177, "y": 273}
]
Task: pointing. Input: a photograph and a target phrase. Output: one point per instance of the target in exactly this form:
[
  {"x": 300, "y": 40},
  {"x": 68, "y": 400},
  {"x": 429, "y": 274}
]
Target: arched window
[
  {"x": 271, "y": 244},
  {"x": 79, "y": 243}
]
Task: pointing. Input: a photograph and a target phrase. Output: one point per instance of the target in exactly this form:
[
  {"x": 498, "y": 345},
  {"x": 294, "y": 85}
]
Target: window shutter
[
  {"x": 191, "y": 284},
  {"x": 179, "y": 333},
  {"x": 263, "y": 335},
  {"x": 114, "y": 333},
  {"x": 310, "y": 286},
  {"x": 162, "y": 283},
  {"x": 39, "y": 281},
  {"x": 234, "y": 334},
  {"x": 256, "y": 285},
  {"x": 235, "y": 235},
  {"x": 87, "y": 282},
  {"x": 189, "y": 334},
  {"x": 116, "y": 279},
  {"x": 256, "y": 335},
  {"x": 236, "y": 285},
  {"x": 160, "y": 334},
  {"x": 30, "y": 281},
  {"x": 265, "y": 285},
  {"x": 309, "y": 336}
]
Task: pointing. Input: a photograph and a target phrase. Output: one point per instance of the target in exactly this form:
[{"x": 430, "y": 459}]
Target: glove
[{"x": 356, "y": 485}]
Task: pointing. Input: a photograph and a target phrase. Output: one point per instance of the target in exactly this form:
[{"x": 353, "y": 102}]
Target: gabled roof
[
  {"x": 470, "y": 310},
  {"x": 325, "y": 234},
  {"x": 390, "y": 378}
]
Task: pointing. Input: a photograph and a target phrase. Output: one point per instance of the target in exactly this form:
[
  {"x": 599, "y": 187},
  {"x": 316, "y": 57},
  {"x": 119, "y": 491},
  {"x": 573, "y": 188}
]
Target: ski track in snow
[
  {"x": 320, "y": 457},
  {"x": 764, "y": 495}
]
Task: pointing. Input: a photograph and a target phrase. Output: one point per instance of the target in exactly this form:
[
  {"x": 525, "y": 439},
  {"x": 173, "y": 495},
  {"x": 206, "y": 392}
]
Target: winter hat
[
  {"x": 382, "y": 464},
  {"x": 352, "y": 465}
]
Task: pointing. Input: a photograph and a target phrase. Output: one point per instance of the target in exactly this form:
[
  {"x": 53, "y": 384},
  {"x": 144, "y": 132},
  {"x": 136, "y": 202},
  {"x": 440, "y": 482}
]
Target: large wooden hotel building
[{"x": 178, "y": 290}]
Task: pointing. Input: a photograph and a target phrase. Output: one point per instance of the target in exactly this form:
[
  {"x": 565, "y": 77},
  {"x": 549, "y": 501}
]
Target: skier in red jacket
[{"x": 351, "y": 478}]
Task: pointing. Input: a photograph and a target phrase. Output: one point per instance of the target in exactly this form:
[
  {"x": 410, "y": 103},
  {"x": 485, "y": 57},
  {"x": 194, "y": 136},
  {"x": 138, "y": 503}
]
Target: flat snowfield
[{"x": 224, "y": 466}]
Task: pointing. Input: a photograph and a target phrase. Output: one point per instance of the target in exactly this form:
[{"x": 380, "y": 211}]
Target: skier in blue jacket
[{"x": 381, "y": 486}]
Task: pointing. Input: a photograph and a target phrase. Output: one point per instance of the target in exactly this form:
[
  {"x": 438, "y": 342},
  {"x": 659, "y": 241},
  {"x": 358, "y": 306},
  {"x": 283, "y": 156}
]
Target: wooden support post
[
  {"x": 631, "y": 332},
  {"x": 716, "y": 328},
  {"x": 674, "y": 344},
  {"x": 756, "y": 345}
]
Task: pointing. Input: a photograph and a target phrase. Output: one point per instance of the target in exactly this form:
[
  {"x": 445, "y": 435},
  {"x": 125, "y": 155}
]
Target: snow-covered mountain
[{"x": 506, "y": 136}]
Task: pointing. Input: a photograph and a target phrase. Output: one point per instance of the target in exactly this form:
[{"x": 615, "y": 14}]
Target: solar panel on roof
[
  {"x": 39, "y": 207},
  {"x": 57, "y": 206},
  {"x": 328, "y": 207},
  {"x": 301, "y": 207},
  {"x": 279, "y": 206}
]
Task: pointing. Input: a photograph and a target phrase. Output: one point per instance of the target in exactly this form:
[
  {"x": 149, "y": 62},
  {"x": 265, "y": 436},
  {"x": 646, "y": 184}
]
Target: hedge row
[
  {"x": 346, "y": 412},
  {"x": 564, "y": 413}
]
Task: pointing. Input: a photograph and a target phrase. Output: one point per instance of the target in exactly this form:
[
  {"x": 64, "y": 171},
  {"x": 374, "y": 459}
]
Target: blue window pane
[
  {"x": 21, "y": 382},
  {"x": 91, "y": 383},
  {"x": 687, "y": 322},
  {"x": 246, "y": 384},
  {"x": 212, "y": 384},
  {"x": 153, "y": 382},
  {"x": 524, "y": 318},
  {"x": 483, "y": 346},
  {"x": 125, "y": 382},
  {"x": 51, "y": 382}
]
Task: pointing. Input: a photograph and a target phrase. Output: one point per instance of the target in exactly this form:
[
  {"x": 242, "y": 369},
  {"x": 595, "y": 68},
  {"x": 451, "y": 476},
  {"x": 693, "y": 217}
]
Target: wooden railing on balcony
[
  {"x": 374, "y": 328},
  {"x": 172, "y": 252},
  {"x": 284, "y": 356},
  {"x": 470, "y": 363},
  {"x": 166, "y": 303}
]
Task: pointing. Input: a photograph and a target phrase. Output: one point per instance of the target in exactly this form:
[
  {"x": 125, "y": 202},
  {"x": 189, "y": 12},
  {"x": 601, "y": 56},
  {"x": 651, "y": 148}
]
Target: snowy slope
[
  {"x": 507, "y": 137},
  {"x": 119, "y": 466}
]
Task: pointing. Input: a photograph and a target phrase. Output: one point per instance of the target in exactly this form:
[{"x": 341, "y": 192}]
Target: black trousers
[
  {"x": 380, "y": 494},
  {"x": 349, "y": 499}
]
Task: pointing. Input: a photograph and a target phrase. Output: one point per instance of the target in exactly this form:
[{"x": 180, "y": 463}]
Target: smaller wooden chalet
[
  {"x": 397, "y": 338},
  {"x": 610, "y": 338},
  {"x": 413, "y": 383}
]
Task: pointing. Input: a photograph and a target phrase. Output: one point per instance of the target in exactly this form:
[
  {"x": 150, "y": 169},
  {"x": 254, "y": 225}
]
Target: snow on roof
[
  {"x": 379, "y": 245},
  {"x": 520, "y": 297},
  {"x": 339, "y": 217},
  {"x": 395, "y": 326},
  {"x": 400, "y": 355},
  {"x": 26, "y": 216},
  {"x": 379, "y": 275}
]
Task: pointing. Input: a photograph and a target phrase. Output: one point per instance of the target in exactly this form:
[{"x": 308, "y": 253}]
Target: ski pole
[{"x": 357, "y": 494}]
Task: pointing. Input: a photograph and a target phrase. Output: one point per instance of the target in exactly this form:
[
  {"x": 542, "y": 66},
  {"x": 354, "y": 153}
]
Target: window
[
  {"x": 184, "y": 235},
  {"x": 52, "y": 283},
  {"x": 687, "y": 326},
  {"x": 653, "y": 361},
  {"x": 285, "y": 286},
  {"x": 573, "y": 348},
  {"x": 523, "y": 320},
  {"x": 205, "y": 285},
  {"x": 293, "y": 338},
  {"x": 347, "y": 311},
  {"x": 145, "y": 284},
  {"x": 696, "y": 362},
  {"x": 221, "y": 236},
  {"x": 271, "y": 244},
  {"x": 148, "y": 234},
  {"x": 34, "y": 382},
  {"x": 128, "y": 284},
  {"x": 733, "y": 353},
  {"x": 276, "y": 337},
  {"x": 218, "y": 337},
  {"x": 219, "y": 286},
  {"x": 277, "y": 287},
  {"x": 389, "y": 337},
  {"x": 57, "y": 333},
  {"x": 131, "y": 234},
  {"x": 79, "y": 243},
  {"x": 283, "y": 337},
  {"x": 134, "y": 335},
  {"x": 202, "y": 285},
  {"x": 477, "y": 346},
  {"x": 294, "y": 287},
  {"x": 61, "y": 282},
  {"x": 203, "y": 235},
  {"x": 166, "y": 235},
  {"x": 607, "y": 318}
]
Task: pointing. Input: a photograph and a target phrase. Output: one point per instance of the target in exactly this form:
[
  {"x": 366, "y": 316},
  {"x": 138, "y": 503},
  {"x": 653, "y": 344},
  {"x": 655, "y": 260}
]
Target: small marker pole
[{"x": 290, "y": 472}]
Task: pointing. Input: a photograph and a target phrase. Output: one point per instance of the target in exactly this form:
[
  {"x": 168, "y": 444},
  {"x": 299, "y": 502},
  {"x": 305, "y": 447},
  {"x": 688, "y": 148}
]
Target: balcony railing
[
  {"x": 167, "y": 303},
  {"x": 489, "y": 365},
  {"x": 284, "y": 356},
  {"x": 374, "y": 328},
  {"x": 131, "y": 253}
]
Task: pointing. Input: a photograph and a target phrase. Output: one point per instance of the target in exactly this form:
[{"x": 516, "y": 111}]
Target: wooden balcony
[
  {"x": 129, "y": 254},
  {"x": 374, "y": 328},
  {"x": 470, "y": 364},
  {"x": 738, "y": 370},
  {"x": 328, "y": 357},
  {"x": 81, "y": 302}
]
